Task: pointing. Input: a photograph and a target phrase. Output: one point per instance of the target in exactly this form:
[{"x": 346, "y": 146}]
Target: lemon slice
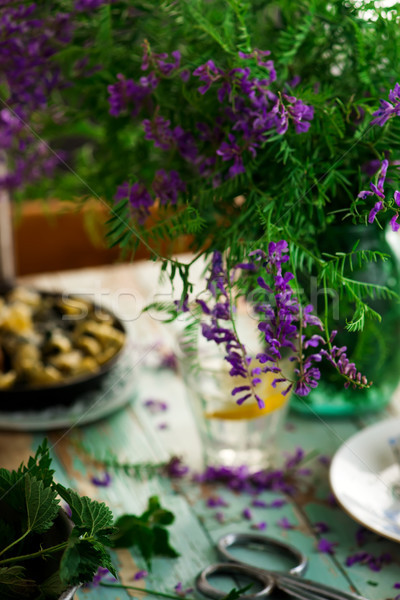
[{"x": 272, "y": 397}]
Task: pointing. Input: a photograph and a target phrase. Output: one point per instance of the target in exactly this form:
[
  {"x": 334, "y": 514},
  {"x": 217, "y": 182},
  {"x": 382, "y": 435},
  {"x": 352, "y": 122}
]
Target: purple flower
[
  {"x": 101, "y": 573},
  {"x": 378, "y": 206},
  {"x": 185, "y": 143},
  {"x": 259, "y": 503},
  {"x": 294, "y": 459},
  {"x": 278, "y": 503},
  {"x": 162, "y": 425},
  {"x": 393, "y": 223},
  {"x": 82, "y": 5},
  {"x": 215, "y": 501},
  {"x": 175, "y": 468},
  {"x": 321, "y": 527},
  {"x": 246, "y": 513},
  {"x": 169, "y": 361},
  {"x": 167, "y": 186},
  {"x": 326, "y": 547},
  {"x": 261, "y": 526},
  {"x": 158, "y": 130},
  {"x": 324, "y": 460},
  {"x": 338, "y": 359},
  {"x": 208, "y": 74},
  {"x": 284, "y": 523},
  {"x": 376, "y": 190},
  {"x": 156, "y": 406},
  {"x": 388, "y": 109},
  {"x": 140, "y": 575},
  {"x": 180, "y": 591},
  {"x": 158, "y": 61},
  {"x": 126, "y": 93},
  {"x": 267, "y": 64},
  {"x": 139, "y": 199},
  {"x": 104, "y": 481},
  {"x": 231, "y": 151},
  {"x": 373, "y": 563}
]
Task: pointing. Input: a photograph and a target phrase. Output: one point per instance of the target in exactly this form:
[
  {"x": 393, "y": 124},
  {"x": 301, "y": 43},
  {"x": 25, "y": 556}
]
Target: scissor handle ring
[
  {"x": 244, "y": 539},
  {"x": 208, "y": 590}
]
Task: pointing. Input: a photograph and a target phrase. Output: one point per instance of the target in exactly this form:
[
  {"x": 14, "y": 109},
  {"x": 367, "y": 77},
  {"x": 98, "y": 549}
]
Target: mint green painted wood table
[{"x": 134, "y": 434}]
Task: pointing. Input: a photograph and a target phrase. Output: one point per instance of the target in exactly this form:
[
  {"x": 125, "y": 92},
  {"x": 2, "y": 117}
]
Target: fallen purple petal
[
  {"x": 321, "y": 527},
  {"x": 247, "y": 514},
  {"x": 140, "y": 575},
  {"x": 155, "y": 406},
  {"x": 284, "y": 523},
  {"x": 259, "y": 503},
  {"x": 104, "y": 481},
  {"x": 261, "y": 526},
  {"x": 215, "y": 501},
  {"x": 326, "y": 547},
  {"x": 180, "y": 591}
]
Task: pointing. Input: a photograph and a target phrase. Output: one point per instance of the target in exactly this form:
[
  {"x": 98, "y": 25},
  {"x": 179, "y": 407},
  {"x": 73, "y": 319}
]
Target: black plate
[{"x": 31, "y": 398}]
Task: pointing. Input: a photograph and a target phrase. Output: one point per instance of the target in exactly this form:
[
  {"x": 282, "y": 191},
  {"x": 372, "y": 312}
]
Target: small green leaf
[
  {"x": 161, "y": 543},
  {"x": 79, "y": 562},
  {"x": 146, "y": 532},
  {"x": 41, "y": 505},
  {"x": 88, "y": 515},
  {"x": 13, "y": 583}
]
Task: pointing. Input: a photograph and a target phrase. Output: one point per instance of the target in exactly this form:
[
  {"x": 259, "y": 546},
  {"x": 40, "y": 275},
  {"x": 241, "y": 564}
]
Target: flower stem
[
  {"x": 50, "y": 550},
  {"x": 139, "y": 589},
  {"x": 13, "y": 543}
]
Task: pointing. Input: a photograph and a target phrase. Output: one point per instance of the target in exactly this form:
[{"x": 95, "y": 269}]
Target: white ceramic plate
[{"x": 363, "y": 475}]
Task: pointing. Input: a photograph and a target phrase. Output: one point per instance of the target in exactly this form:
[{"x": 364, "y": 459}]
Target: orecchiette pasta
[{"x": 47, "y": 339}]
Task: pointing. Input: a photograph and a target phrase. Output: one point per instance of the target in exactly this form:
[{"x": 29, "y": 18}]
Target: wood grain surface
[{"x": 134, "y": 435}]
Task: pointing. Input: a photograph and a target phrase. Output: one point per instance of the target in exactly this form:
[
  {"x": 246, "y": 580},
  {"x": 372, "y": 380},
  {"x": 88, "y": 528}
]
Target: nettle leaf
[
  {"x": 52, "y": 587},
  {"x": 89, "y": 516},
  {"x": 81, "y": 559},
  {"x": 39, "y": 465},
  {"x": 13, "y": 583},
  {"x": 12, "y": 489},
  {"x": 146, "y": 532},
  {"x": 41, "y": 505},
  {"x": 161, "y": 543},
  {"x": 157, "y": 514}
]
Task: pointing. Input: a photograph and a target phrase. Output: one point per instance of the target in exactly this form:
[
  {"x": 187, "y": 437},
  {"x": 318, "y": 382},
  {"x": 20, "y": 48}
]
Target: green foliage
[
  {"x": 29, "y": 507},
  {"x": 146, "y": 532},
  {"x": 299, "y": 187}
]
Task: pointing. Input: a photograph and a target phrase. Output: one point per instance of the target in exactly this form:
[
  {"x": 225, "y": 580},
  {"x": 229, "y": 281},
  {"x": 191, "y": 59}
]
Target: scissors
[{"x": 289, "y": 582}]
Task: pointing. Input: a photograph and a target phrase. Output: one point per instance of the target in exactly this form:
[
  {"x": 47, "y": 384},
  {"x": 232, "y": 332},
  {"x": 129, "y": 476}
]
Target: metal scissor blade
[
  {"x": 298, "y": 593},
  {"x": 319, "y": 590}
]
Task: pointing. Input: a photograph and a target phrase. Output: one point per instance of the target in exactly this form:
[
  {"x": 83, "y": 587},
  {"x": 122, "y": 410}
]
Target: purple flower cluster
[
  {"x": 83, "y": 5},
  {"x": 254, "y": 112},
  {"x": 338, "y": 359},
  {"x": 218, "y": 285},
  {"x": 126, "y": 94},
  {"x": 284, "y": 322},
  {"x": 28, "y": 45},
  {"x": 325, "y": 546},
  {"x": 240, "y": 479},
  {"x": 250, "y": 112},
  {"x": 175, "y": 468},
  {"x": 159, "y": 61},
  {"x": 387, "y": 109},
  {"x": 378, "y": 191},
  {"x": 374, "y": 563}
]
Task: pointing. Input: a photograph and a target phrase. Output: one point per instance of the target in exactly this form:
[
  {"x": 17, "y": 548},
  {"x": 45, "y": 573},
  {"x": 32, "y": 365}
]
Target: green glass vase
[{"x": 375, "y": 350}]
